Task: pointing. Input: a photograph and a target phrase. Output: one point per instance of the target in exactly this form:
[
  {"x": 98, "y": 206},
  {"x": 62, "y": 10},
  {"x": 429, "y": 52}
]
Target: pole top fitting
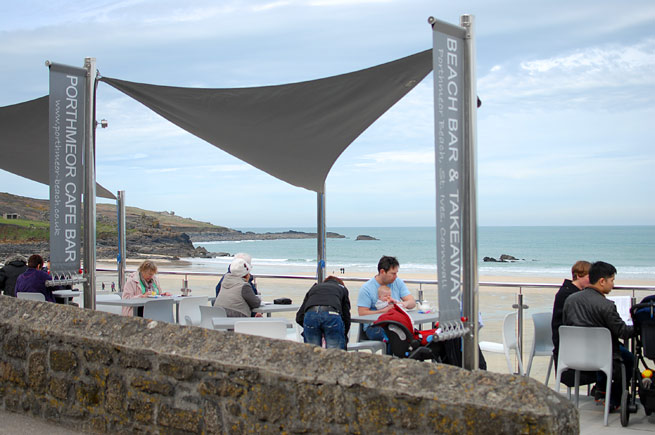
[
  {"x": 48, "y": 63},
  {"x": 431, "y": 20}
]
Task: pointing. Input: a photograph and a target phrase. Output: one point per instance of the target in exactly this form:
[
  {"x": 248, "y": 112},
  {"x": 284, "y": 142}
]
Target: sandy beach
[{"x": 495, "y": 302}]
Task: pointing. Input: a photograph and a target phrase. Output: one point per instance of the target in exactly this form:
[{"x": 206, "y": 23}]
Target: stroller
[
  {"x": 404, "y": 341},
  {"x": 643, "y": 317}
]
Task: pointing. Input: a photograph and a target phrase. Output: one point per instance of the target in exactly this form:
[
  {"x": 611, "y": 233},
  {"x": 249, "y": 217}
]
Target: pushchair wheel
[{"x": 625, "y": 411}]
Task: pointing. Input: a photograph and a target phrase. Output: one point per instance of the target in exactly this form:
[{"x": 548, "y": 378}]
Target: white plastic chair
[
  {"x": 586, "y": 349},
  {"x": 355, "y": 345},
  {"x": 189, "y": 309},
  {"x": 30, "y": 295},
  {"x": 509, "y": 342},
  {"x": 160, "y": 310},
  {"x": 543, "y": 341},
  {"x": 114, "y": 309},
  {"x": 263, "y": 328},
  {"x": 207, "y": 313}
]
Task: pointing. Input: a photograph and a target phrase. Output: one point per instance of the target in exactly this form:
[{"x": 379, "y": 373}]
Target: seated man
[
  {"x": 368, "y": 294},
  {"x": 591, "y": 308},
  {"x": 33, "y": 279}
]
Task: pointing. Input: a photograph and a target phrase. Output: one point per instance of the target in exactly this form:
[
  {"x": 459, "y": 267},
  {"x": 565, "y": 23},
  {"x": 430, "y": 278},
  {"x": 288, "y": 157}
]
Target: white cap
[
  {"x": 239, "y": 267},
  {"x": 245, "y": 256}
]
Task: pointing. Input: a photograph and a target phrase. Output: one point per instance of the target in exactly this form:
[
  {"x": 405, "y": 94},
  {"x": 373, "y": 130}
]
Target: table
[
  {"x": 227, "y": 323},
  {"x": 269, "y": 309},
  {"x": 135, "y": 303},
  {"x": 66, "y": 295}
]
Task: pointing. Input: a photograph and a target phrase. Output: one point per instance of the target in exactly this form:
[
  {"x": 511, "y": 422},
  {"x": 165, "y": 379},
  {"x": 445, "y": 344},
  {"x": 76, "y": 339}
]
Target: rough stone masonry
[{"x": 104, "y": 373}]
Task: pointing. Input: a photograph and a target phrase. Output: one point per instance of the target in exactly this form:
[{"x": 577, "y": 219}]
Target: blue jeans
[{"x": 324, "y": 325}]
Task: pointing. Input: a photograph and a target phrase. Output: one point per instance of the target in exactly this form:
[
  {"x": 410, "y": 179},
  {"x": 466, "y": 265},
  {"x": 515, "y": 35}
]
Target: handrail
[
  {"x": 519, "y": 306},
  {"x": 520, "y": 285}
]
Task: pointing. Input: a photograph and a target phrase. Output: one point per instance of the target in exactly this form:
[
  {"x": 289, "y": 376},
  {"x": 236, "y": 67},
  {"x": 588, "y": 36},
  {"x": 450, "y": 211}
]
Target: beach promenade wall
[{"x": 103, "y": 373}]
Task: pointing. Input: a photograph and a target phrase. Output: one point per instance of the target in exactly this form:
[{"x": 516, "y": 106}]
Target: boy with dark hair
[{"x": 590, "y": 308}]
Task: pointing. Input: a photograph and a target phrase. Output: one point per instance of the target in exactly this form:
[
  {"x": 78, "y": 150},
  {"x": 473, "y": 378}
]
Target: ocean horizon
[{"x": 540, "y": 250}]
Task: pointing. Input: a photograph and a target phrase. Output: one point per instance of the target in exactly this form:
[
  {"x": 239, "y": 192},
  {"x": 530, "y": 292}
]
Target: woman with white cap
[{"x": 236, "y": 295}]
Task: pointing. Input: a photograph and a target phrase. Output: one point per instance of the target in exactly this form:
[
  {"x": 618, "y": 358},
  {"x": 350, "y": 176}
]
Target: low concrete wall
[{"x": 104, "y": 373}]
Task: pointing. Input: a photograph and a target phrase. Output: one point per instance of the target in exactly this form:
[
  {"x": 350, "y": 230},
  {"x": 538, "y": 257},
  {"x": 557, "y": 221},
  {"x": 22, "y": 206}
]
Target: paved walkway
[{"x": 12, "y": 424}]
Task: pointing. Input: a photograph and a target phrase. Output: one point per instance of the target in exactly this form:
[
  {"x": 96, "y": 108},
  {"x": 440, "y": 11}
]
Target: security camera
[{"x": 103, "y": 123}]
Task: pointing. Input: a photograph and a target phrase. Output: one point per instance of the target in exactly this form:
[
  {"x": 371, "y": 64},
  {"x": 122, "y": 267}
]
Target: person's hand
[{"x": 259, "y": 315}]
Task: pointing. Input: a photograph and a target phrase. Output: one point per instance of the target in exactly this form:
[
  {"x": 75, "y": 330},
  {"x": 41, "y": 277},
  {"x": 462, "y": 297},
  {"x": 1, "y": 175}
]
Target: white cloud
[{"x": 579, "y": 77}]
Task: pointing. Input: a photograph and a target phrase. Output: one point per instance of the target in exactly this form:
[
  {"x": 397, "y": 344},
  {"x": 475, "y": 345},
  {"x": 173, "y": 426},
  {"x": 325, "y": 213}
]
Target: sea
[{"x": 543, "y": 251}]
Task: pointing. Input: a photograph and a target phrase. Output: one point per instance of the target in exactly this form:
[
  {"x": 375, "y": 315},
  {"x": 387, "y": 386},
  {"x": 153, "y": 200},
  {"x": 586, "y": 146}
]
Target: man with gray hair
[{"x": 251, "y": 280}]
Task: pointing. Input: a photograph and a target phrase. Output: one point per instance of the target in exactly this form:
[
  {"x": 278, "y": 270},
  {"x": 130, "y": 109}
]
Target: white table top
[
  {"x": 227, "y": 323},
  {"x": 137, "y": 302},
  {"x": 275, "y": 308},
  {"x": 66, "y": 293}
]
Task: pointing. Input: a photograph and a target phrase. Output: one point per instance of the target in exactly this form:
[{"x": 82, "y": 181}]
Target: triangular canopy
[
  {"x": 294, "y": 132},
  {"x": 24, "y": 142}
]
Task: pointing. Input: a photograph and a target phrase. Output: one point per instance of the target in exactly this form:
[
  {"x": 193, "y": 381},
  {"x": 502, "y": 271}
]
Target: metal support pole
[
  {"x": 519, "y": 306},
  {"x": 122, "y": 248},
  {"x": 90, "y": 187},
  {"x": 320, "y": 236},
  {"x": 470, "y": 357}
]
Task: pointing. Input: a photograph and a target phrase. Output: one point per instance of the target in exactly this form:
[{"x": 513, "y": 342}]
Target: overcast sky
[{"x": 565, "y": 132}]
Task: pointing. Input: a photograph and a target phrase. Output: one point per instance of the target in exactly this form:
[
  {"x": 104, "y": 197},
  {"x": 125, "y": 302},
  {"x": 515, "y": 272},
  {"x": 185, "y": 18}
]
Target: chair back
[
  {"x": 263, "y": 328},
  {"x": 189, "y": 307},
  {"x": 584, "y": 348},
  {"x": 543, "y": 333},
  {"x": 114, "y": 309},
  {"x": 31, "y": 295},
  {"x": 207, "y": 312},
  {"x": 160, "y": 310},
  {"x": 509, "y": 331}
]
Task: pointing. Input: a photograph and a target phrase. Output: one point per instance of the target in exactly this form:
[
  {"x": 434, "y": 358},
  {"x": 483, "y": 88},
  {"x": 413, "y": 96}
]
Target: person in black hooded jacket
[{"x": 14, "y": 266}]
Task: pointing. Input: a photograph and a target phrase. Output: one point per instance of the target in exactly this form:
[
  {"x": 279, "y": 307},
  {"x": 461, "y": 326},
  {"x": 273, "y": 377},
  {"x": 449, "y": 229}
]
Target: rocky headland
[{"x": 149, "y": 233}]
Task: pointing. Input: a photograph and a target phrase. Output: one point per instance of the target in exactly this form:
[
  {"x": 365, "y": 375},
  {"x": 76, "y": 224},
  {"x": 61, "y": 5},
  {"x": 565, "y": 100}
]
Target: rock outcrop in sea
[{"x": 365, "y": 237}]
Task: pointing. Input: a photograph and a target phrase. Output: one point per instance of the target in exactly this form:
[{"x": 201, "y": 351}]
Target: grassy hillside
[{"x": 35, "y": 212}]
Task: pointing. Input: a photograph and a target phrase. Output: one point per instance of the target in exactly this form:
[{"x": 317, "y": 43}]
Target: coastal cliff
[{"x": 148, "y": 233}]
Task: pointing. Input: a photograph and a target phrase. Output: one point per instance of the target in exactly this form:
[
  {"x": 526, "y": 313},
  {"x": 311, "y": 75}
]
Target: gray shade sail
[
  {"x": 24, "y": 142},
  {"x": 294, "y": 132}
]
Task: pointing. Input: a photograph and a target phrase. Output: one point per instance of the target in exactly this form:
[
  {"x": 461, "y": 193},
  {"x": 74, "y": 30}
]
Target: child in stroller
[{"x": 403, "y": 340}]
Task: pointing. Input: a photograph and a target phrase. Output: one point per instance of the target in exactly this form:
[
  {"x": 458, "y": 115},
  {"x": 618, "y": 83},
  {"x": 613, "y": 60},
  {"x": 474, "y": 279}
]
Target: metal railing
[{"x": 520, "y": 286}]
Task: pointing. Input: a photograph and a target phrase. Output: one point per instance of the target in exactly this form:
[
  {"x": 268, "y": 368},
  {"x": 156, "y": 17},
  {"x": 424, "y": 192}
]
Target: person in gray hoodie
[
  {"x": 14, "y": 266},
  {"x": 236, "y": 295}
]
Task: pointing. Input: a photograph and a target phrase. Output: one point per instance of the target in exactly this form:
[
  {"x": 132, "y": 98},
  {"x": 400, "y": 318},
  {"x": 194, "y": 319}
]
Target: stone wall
[{"x": 103, "y": 373}]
